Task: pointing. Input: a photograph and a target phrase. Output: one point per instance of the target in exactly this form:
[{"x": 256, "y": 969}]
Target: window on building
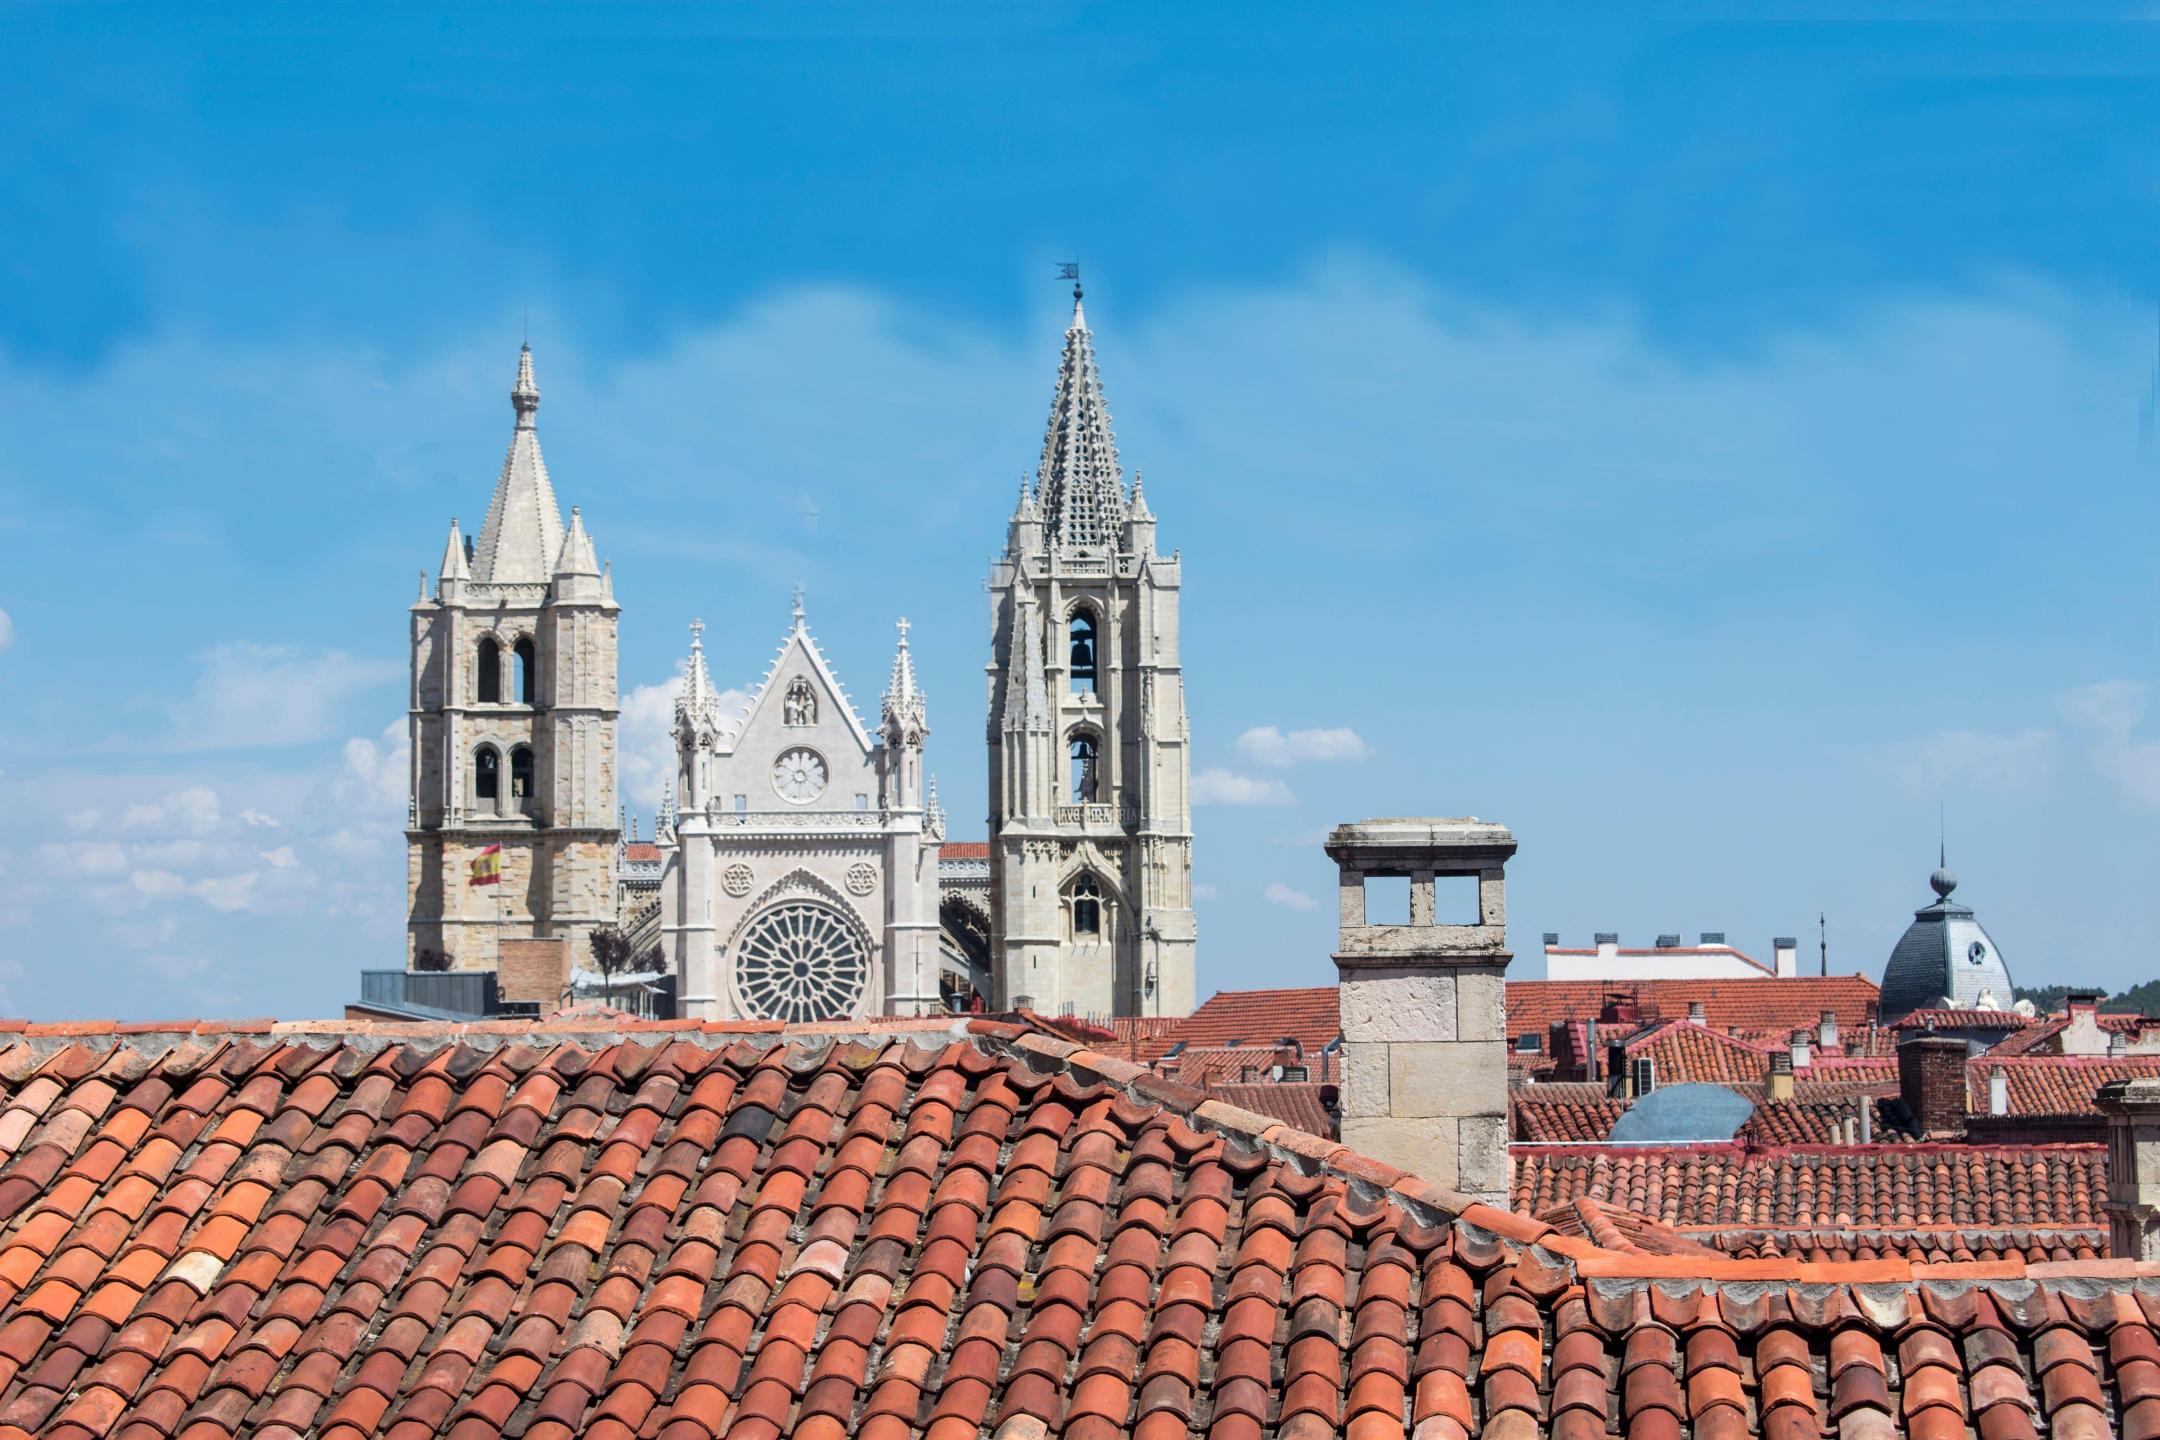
[
  {"x": 527, "y": 671},
  {"x": 1085, "y": 782},
  {"x": 1083, "y": 652},
  {"x": 862, "y": 801},
  {"x": 1086, "y": 906},
  {"x": 742, "y": 804},
  {"x": 521, "y": 775},
  {"x": 487, "y": 775},
  {"x": 487, "y": 668}
]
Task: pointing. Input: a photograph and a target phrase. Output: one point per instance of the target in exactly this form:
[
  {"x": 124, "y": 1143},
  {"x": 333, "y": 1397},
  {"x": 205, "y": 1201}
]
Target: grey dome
[{"x": 1944, "y": 955}]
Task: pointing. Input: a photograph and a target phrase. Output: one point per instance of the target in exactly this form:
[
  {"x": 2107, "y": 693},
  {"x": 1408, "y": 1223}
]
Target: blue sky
[{"x": 1705, "y": 439}]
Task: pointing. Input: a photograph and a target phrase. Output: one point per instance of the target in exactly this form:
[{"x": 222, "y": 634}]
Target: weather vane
[{"x": 1070, "y": 270}]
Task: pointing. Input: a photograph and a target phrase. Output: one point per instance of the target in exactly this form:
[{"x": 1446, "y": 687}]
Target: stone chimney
[
  {"x": 1695, "y": 1013},
  {"x": 1931, "y": 1081},
  {"x": 1785, "y": 951},
  {"x": 2081, "y": 1033},
  {"x": 1998, "y": 1091},
  {"x": 1778, "y": 1080},
  {"x": 1424, "y": 1008},
  {"x": 1801, "y": 1059},
  {"x": 1826, "y": 1033},
  {"x": 2132, "y": 1108}
]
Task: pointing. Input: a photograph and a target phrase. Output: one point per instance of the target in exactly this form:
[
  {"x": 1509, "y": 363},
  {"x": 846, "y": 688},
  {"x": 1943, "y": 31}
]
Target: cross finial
[
  {"x": 798, "y": 604},
  {"x": 697, "y": 634},
  {"x": 903, "y": 629}
]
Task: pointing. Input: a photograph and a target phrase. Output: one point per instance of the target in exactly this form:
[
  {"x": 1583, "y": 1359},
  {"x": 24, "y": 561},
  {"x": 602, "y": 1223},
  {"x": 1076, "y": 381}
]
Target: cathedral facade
[
  {"x": 512, "y": 721},
  {"x": 1090, "y": 850},
  {"x": 800, "y": 862}
]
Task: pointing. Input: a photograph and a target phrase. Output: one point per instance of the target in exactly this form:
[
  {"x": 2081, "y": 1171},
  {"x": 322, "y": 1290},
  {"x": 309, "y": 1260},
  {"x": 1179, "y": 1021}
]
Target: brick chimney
[
  {"x": 2132, "y": 1108},
  {"x": 1931, "y": 1081},
  {"x": 1424, "y": 1010}
]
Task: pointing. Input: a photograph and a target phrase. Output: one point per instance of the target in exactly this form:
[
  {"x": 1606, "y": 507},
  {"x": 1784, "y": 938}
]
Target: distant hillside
[{"x": 2143, "y": 999}]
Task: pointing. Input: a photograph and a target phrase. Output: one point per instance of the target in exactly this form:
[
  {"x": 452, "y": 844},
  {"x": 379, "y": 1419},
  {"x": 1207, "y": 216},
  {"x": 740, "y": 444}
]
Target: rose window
[{"x": 801, "y": 961}]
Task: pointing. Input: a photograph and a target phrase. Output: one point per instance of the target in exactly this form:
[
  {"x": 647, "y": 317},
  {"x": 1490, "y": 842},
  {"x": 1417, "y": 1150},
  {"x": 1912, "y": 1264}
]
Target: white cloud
[
  {"x": 2108, "y": 714},
  {"x": 193, "y": 811},
  {"x": 226, "y": 892},
  {"x": 645, "y": 746},
  {"x": 88, "y": 859},
  {"x": 1289, "y": 899},
  {"x": 281, "y": 858},
  {"x": 158, "y": 884},
  {"x": 249, "y": 694},
  {"x": 1225, "y": 787},
  {"x": 1975, "y": 760},
  {"x": 374, "y": 776},
  {"x": 1268, "y": 746},
  {"x": 258, "y": 819}
]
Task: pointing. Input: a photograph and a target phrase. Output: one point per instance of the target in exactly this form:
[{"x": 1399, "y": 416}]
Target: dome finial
[{"x": 1942, "y": 882}]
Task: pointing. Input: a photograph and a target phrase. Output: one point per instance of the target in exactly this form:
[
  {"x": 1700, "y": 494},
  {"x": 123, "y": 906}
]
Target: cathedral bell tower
[
  {"x": 1090, "y": 775},
  {"x": 512, "y": 716}
]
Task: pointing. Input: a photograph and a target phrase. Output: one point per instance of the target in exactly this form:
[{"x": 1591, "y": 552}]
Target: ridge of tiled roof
[
  {"x": 964, "y": 850},
  {"x": 907, "y": 1228},
  {"x": 1620, "y": 1230},
  {"x": 1802, "y": 1187},
  {"x": 1946, "y": 1019}
]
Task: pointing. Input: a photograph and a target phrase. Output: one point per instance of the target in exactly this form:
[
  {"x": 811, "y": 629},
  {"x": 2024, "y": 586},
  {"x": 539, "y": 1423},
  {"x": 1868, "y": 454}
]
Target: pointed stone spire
[
  {"x": 453, "y": 560},
  {"x": 1083, "y": 493},
  {"x": 1027, "y": 509},
  {"x": 933, "y": 814},
  {"x": 697, "y": 708},
  {"x": 1026, "y": 698},
  {"x": 902, "y": 684},
  {"x": 1138, "y": 509},
  {"x": 905, "y": 713},
  {"x": 576, "y": 556},
  {"x": 524, "y": 530}
]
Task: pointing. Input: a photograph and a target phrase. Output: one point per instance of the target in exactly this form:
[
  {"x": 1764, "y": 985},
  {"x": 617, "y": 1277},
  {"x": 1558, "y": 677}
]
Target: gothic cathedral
[
  {"x": 800, "y": 868},
  {"x": 1090, "y": 775},
  {"x": 513, "y": 711}
]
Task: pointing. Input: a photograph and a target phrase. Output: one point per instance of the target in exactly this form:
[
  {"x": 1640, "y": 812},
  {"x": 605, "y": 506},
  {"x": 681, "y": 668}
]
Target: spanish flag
[{"x": 487, "y": 866}]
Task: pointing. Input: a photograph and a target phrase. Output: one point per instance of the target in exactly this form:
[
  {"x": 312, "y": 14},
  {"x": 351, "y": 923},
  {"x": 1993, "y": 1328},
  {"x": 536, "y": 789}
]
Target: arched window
[
  {"x": 1083, "y": 652},
  {"x": 527, "y": 671},
  {"x": 1085, "y": 783},
  {"x": 486, "y": 777},
  {"x": 521, "y": 776},
  {"x": 1086, "y": 907},
  {"x": 488, "y": 668}
]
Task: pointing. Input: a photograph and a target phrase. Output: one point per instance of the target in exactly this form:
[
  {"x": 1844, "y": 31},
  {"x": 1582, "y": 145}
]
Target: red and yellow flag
[{"x": 487, "y": 866}]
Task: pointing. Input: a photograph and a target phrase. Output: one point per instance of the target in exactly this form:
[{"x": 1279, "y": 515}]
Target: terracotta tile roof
[
  {"x": 938, "y": 1229},
  {"x": 1773, "y": 1007},
  {"x": 1301, "y": 1103},
  {"x": 640, "y": 850},
  {"x": 2051, "y": 1084},
  {"x": 1310, "y": 1015},
  {"x": 2043, "y": 1035},
  {"x": 1963, "y": 1020},
  {"x": 1563, "y": 1110},
  {"x": 1837, "y": 1187},
  {"x": 964, "y": 850},
  {"x": 1688, "y": 1053},
  {"x": 1814, "y": 1122},
  {"x": 1624, "y": 1231},
  {"x": 1768, "y": 1007}
]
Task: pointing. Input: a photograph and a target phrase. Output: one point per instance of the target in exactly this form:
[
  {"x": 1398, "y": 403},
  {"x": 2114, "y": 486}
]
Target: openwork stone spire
[
  {"x": 905, "y": 713},
  {"x": 1083, "y": 493},
  {"x": 524, "y": 529},
  {"x": 697, "y": 709}
]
